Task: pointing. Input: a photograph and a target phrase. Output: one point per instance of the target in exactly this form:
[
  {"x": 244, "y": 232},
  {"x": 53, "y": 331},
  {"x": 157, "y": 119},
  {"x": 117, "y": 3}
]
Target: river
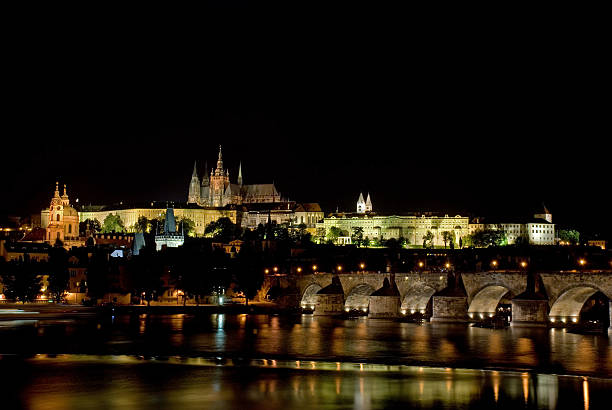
[{"x": 274, "y": 361}]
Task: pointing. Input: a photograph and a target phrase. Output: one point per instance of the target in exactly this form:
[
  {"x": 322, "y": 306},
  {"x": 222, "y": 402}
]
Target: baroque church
[{"x": 216, "y": 189}]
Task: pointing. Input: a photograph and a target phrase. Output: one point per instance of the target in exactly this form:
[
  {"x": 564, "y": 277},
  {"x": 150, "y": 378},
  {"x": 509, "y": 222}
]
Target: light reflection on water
[
  {"x": 80, "y": 381},
  {"x": 328, "y": 358}
]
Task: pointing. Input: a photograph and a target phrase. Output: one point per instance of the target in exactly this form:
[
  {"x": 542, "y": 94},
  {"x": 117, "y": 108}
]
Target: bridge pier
[
  {"x": 610, "y": 317},
  {"x": 449, "y": 309},
  {"x": 532, "y": 312}
]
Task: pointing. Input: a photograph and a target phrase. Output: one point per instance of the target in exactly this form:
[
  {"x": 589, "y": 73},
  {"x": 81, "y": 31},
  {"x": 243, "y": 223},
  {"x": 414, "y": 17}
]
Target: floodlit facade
[
  {"x": 216, "y": 190},
  {"x": 413, "y": 228},
  {"x": 61, "y": 221}
]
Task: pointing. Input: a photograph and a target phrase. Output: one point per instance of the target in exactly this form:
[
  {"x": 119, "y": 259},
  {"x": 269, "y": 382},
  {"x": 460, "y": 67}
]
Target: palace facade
[{"x": 413, "y": 228}]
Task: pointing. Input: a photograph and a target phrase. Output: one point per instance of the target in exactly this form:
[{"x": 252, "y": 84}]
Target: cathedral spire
[
  {"x": 240, "y": 174},
  {"x": 368, "y": 204},
  {"x": 219, "y": 163},
  {"x": 195, "y": 169},
  {"x": 57, "y": 189}
]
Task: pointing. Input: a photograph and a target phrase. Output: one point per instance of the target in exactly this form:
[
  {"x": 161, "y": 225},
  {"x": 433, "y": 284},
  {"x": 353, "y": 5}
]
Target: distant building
[
  {"x": 169, "y": 237},
  {"x": 216, "y": 189},
  {"x": 61, "y": 221},
  {"x": 538, "y": 230},
  {"x": 599, "y": 243},
  {"x": 413, "y": 228},
  {"x": 292, "y": 214}
]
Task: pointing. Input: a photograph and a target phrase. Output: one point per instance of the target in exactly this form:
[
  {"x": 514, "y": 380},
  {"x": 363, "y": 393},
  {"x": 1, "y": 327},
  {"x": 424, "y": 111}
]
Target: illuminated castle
[{"x": 216, "y": 190}]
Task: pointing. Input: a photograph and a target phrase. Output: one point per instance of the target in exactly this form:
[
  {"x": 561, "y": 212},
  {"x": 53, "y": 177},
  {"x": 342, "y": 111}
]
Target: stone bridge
[{"x": 567, "y": 291}]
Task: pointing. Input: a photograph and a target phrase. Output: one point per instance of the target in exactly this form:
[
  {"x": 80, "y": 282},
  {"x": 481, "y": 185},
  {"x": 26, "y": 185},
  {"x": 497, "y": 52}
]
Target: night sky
[{"x": 485, "y": 126}]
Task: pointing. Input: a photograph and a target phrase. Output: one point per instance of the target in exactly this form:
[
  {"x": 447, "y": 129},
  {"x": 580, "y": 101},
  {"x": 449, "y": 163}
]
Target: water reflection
[{"x": 78, "y": 381}]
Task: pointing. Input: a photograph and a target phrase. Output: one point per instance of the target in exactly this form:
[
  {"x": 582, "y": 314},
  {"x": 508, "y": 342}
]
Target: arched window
[
  {"x": 58, "y": 217},
  {"x": 69, "y": 228}
]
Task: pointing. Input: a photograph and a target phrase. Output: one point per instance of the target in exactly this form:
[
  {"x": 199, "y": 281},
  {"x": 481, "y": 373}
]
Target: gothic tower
[
  {"x": 368, "y": 204},
  {"x": 194, "y": 186},
  {"x": 361, "y": 205},
  {"x": 218, "y": 182}
]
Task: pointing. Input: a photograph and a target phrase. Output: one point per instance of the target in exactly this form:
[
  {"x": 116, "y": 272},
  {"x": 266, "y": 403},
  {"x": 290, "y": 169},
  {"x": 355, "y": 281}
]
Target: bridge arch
[
  {"x": 359, "y": 297},
  {"x": 417, "y": 298},
  {"x": 309, "y": 298},
  {"x": 487, "y": 299},
  {"x": 569, "y": 304}
]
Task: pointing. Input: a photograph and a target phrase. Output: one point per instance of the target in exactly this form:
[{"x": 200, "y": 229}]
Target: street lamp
[
  {"x": 314, "y": 268},
  {"x": 582, "y": 262},
  {"x": 267, "y": 271},
  {"x": 339, "y": 268},
  {"x": 494, "y": 264},
  {"x": 447, "y": 265},
  {"x": 523, "y": 264},
  {"x": 275, "y": 269},
  {"x": 420, "y": 264},
  {"x": 362, "y": 265},
  {"x": 299, "y": 269}
]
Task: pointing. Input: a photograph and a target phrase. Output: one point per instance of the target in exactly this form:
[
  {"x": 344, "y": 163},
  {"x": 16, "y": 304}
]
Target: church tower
[
  {"x": 361, "y": 205},
  {"x": 368, "y": 204},
  {"x": 218, "y": 182},
  {"x": 240, "y": 174},
  {"x": 63, "y": 220},
  {"x": 194, "y": 186}
]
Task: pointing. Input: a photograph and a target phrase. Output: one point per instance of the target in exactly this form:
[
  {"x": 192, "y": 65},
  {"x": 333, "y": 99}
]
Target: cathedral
[{"x": 216, "y": 190}]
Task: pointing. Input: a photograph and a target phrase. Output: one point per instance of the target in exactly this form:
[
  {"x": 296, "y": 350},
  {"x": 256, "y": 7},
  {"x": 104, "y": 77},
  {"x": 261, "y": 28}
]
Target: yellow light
[
  {"x": 494, "y": 263},
  {"x": 582, "y": 262},
  {"x": 523, "y": 264},
  {"x": 447, "y": 265},
  {"x": 362, "y": 265},
  {"x": 275, "y": 269},
  {"x": 267, "y": 271},
  {"x": 299, "y": 270},
  {"x": 314, "y": 267},
  {"x": 420, "y": 264},
  {"x": 339, "y": 268}
]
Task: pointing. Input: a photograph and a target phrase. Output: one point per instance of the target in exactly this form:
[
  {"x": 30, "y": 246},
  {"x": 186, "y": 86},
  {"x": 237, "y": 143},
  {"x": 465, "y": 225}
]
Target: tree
[
  {"x": 223, "y": 230},
  {"x": 488, "y": 237},
  {"x": 357, "y": 236},
  {"x": 428, "y": 239},
  {"x": 187, "y": 225},
  {"x": 113, "y": 223},
  {"x": 333, "y": 234},
  {"x": 89, "y": 226},
  {"x": 301, "y": 234},
  {"x": 58, "y": 273},
  {"x": 21, "y": 281},
  {"x": 142, "y": 225},
  {"x": 569, "y": 236},
  {"x": 448, "y": 236},
  {"x": 249, "y": 272}
]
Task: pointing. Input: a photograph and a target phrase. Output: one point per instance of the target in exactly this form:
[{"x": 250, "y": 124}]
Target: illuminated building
[
  {"x": 216, "y": 190},
  {"x": 61, "y": 221},
  {"x": 413, "y": 228}
]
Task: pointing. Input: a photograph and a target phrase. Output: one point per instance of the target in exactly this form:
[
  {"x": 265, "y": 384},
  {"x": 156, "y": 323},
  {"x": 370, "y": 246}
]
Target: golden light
[
  {"x": 420, "y": 264},
  {"x": 523, "y": 264},
  {"x": 494, "y": 263},
  {"x": 275, "y": 269},
  {"x": 299, "y": 269},
  {"x": 267, "y": 271},
  {"x": 447, "y": 265},
  {"x": 339, "y": 268},
  {"x": 362, "y": 265},
  {"x": 314, "y": 268},
  {"x": 582, "y": 262}
]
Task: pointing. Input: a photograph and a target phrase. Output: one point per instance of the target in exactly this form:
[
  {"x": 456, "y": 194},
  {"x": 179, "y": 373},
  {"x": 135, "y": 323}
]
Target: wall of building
[{"x": 412, "y": 228}]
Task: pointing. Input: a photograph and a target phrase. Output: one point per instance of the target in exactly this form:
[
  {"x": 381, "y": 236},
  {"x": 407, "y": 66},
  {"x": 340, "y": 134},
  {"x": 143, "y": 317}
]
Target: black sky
[{"x": 478, "y": 122}]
